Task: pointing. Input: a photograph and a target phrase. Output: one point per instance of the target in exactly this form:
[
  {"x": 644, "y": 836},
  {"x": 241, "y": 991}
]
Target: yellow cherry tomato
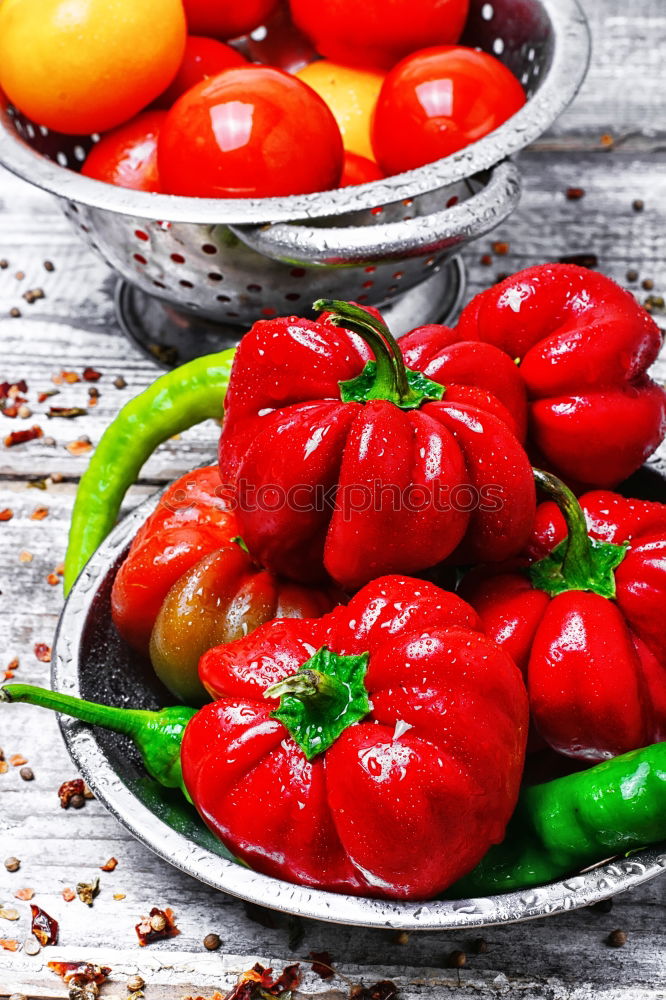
[
  {"x": 81, "y": 66},
  {"x": 351, "y": 94}
]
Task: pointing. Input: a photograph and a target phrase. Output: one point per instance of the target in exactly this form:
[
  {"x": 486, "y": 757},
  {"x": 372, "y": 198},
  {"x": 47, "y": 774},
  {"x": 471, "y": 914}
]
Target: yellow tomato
[
  {"x": 81, "y": 66},
  {"x": 351, "y": 94}
]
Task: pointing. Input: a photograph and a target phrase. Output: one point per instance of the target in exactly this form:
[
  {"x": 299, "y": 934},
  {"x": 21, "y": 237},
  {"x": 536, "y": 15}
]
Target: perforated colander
[{"x": 232, "y": 261}]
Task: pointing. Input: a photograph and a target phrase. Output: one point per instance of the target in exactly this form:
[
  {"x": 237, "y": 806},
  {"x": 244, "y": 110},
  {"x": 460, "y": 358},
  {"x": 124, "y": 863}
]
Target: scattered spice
[
  {"x": 56, "y": 477},
  {"x": 322, "y": 964},
  {"x": 39, "y": 484},
  {"x": 44, "y": 927},
  {"x": 648, "y": 284},
  {"x": 25, "y": 895},
  {"x": 158, "y": 926},
  {"x": 384, "y": 990},
  {"x": 19, "y": 275},
  {"x": 4, "y": 264},
  {"x": 27, "y": 774},
  {"x": 68, "y": 790},
  {"x": 67, "y": 412},
  {"x": 12, "y": 864},
  {"x": 487, "y": 260},
  {"x": 17, "y": 760},
  {"x": 135, "y": 983},
  {"x": 607, "y": 140},
  {"x": 479, "y": 946},
  {"x": 638, "y": 205},
  {"x": 6, "y": 514},
  {"x": 617, "y": 939},
  {"x": 42, "y": 652},
  {"x": 93, "y": 395},
  {"x": 4, "y": 766},
  {"x": 91, "y": 374},
  {"x": 257, "y": 983},
  {"x": 110, "y": 865},
  {"x": 655, "y": 303},
  {"x": 77, "y": 801},
  {"x": 21, "y": 437},
  {"x": 34, "y": 295},
  {"x": 68, "y": 894},
  {"x": 49, "y": 265},
  {"x": 456, "y": 960},
  {"x": 9, "y": 945},
  {"x": 401, "y": 937},
  {"x": 212, "y": 942},
  {"x": 8, "y": 913},
  {"x": 53, "y": 579},
  {"x": 119, "y": 895},
  {"x": 119, "y": 382},
  {"x": 501, "y": 248},
  {"x": 32, "y": 946},
  {"x": 25, "y": 556},
  {"x": 70, "y": 378},
  {"x": 81, "y": 446},
  {"x": 80, "y": 973},
  {"x": 39, "y": 513},
  {"x": 575, "y": 193},
  {"x": 632, "y": 274},
  {"x": 86, "y": 891}
]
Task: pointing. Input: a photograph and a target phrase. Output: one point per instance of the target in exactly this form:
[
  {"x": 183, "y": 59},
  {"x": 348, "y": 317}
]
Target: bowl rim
[
  {"x": 571, "y": 893},
  {"x": 571, "y": 57}
]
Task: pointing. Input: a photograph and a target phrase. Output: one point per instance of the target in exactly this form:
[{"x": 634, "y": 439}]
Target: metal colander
[{"x": 190, "y": 261}]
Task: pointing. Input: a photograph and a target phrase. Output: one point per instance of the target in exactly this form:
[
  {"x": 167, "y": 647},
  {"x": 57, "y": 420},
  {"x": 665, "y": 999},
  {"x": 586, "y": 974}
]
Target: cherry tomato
[
  {"x": 351, "y": 94},
  {"x": 227, "y": 18},
  {"x": 127, "y": 156},
  {"x": 82, "y": 66},
  {"x": 252, "y": 132},
  {"x": 438, "y": 101},
  {"x": 359, "y": 170},
  {"x": 378, "y": 34},
  {"x": 204, "y": 57}
]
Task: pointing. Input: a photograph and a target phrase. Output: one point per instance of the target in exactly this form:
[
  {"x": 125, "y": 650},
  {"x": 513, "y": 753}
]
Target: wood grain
[{"x": 74, "y": 326}]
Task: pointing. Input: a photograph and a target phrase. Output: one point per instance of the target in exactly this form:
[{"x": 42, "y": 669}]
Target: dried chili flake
[
  {"x": 9, "y": 390},
  {"x": 110, "y": 865},
  {"x": 80, "y": 973},
  {"x": 69, "y": 789},
  {"x": 25, "y": 556},
  {"x": 258, "y": 983},
  {"x": 68, "y": 412},
  {"x": 43, "y": 396},
  {"x": 91, "y": 375},
  {"x": 119, "y": 895},
  {"x": 9, "y": 411},
  {"x": 575, "y": 193},
  {"x": 17, "y": 760},
  {"x": 44, "y": 927},
  {"x": 6, "y": 514},
  {"x": 13, "y": 664},
  {"x": 60, "y": 569},
  {"x": 24, "y": 894},
  {"x": 68, "y": 895},
  {"x": 42, "y": 652},
  {"x": 86, "y": 891},
  {"x": 8, "y": 913},
  {"x": 501, "y": 248},
  {"x": 53, "y": 579},
  {"x": 21, "y": 437},
  {"x": 39, "y": 513},
  {"x": 81, "y": 446},
  {"x": 322, "y": 964},
  {"x": 158, "y": 926},
  {"x": 383, "y": 990},
  {"x": 68, "y": 377},
  {"x": 4, "y": 766},
  {"x": 9, "y": 945}
]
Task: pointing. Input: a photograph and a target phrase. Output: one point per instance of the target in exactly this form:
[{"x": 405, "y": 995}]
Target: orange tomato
[
  {"x": 351, "y": 94},
  {"x": 81, "y": 66}
]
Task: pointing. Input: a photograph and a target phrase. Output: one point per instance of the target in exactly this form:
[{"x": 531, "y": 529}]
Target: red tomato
[
  {"x": 226, "y": 18},
  {"x": 204, "y": 57},
  {"x": 378, "y": 34},
  {"x": 246, "y": 133},
  {"x": 359, "y": 170},
  {"x": 127, "y": 156},
  {"x": 438, "y": 101}
]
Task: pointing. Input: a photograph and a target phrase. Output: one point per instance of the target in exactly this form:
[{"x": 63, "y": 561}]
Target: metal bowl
[
  {"x": 91, "y": 661},
  {"x": 233, "y": 261}
]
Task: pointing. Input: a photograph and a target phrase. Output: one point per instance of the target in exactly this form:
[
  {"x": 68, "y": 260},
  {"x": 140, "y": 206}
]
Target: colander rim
[{"x": 571, "y": 56}]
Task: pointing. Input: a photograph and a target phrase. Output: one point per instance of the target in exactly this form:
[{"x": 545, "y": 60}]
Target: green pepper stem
[
  {"x": 391, "y": 378},
  {"x": 578, "y": 555},
  {"x": 158, "y": 735},
  {"x": 310, "y": 686}
]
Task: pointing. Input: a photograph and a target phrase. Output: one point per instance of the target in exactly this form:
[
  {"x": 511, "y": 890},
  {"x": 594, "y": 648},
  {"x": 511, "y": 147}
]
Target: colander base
[{"x": 170, "y": 337}]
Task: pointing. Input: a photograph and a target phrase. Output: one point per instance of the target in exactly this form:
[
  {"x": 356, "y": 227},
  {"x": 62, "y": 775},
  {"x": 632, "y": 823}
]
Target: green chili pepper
[
  {"x": 158, "y": 735},
  {"x": 568, "y": 824},
  {"x": 173, "y": 403}
]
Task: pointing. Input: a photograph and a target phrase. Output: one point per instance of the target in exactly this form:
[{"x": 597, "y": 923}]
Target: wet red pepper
[
  {"x": 188, "y": 571},
  {"x": 583, "y": 346},
  {"x": 376, "y": 751},
  {"x": 359, "y": 467},
  {"x": 586, "y": 622}
]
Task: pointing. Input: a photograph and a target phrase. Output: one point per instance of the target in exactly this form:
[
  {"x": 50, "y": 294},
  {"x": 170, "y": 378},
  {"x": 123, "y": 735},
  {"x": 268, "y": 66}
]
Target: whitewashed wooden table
[{"x": 74, "y": 326}]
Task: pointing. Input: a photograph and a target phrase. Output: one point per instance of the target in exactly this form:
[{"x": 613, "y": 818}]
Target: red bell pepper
[
  {"x": 376, "y": 751},
  {"x": 188, "y": 551},
  {"x": 363, "y": 467},
  {"x": 586, "y": 621},
  {"x": 583, "y": 346}
]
